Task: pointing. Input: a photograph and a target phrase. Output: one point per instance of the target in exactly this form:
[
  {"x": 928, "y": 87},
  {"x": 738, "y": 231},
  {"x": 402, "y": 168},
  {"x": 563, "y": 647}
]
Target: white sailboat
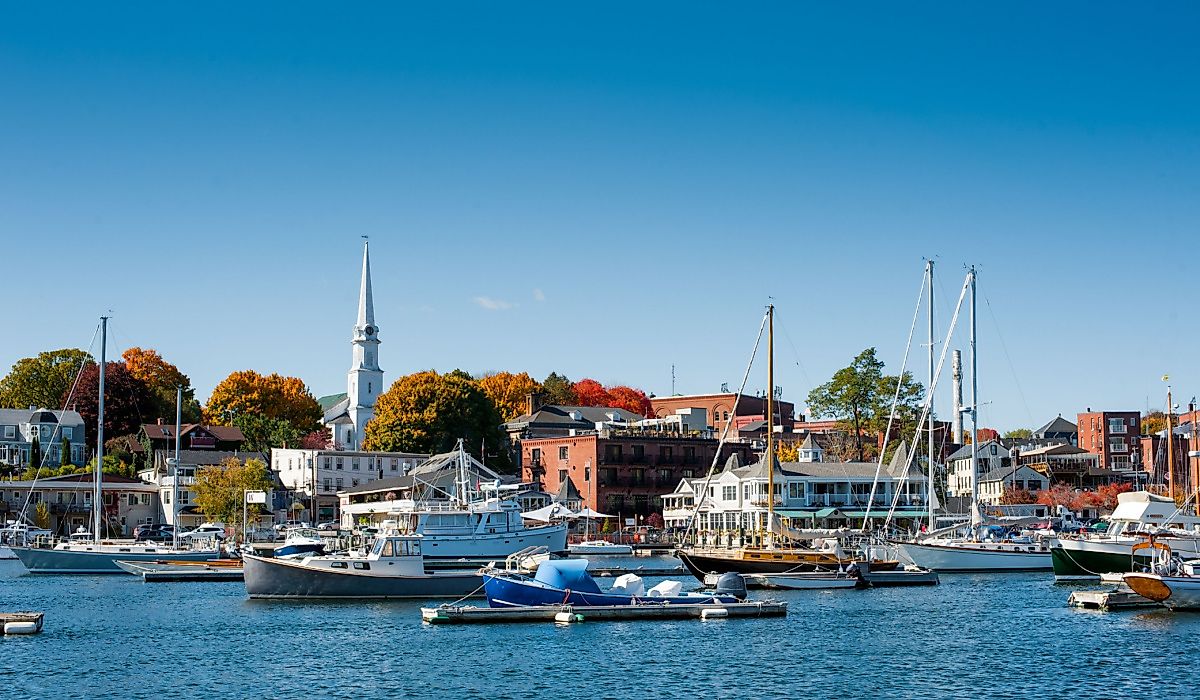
[
  {"x": 99, "y": 556},
  {"x": 972, "y": 553}
]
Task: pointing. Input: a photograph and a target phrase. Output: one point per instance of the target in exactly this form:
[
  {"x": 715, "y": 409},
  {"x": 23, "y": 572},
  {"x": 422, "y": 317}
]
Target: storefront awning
[
  {"x": 796, "y": 513},
  {"x": 883, "y": 513}
]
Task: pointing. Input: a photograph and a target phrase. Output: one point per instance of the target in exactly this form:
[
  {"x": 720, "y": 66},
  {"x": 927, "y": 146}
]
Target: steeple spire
[{"x": 366, "y": 307}]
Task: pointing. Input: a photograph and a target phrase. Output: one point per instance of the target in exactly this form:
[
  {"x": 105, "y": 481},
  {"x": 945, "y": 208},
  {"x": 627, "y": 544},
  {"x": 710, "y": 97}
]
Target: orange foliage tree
[
  {"x": 508, "y": 392},
  {"x": 1016, "y": 496},
  {"x": 589, "y": 392},
  {"x": 592, "y": 393},
  {"x": 162, "y": 378},
  {"x": 273, "y": 396}
]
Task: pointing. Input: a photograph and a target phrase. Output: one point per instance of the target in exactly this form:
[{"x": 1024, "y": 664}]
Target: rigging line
[
  {"x": 928, "y": 404},
  {"x": 887, "y": 434},
  {"x": 795, "y": 353},
  {"x": 66, "y": 402},
  {"x": 725, "y": 434},
  {"x": 1008, "y": 358}
]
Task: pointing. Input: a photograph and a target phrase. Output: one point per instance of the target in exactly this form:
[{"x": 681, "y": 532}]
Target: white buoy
[
  {"x": 713, "y": 613},
  {"x": 567, "y": 618},
  {"x": 20, "y": 628}
]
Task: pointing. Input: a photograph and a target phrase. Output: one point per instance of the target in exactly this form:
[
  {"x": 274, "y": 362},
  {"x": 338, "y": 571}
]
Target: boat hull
[
  {"x": 55, "y": 561},
  {"x": 594, "y": 549},
  {"x": 441, "y": 549},
  {"x": 701, "y": 565},
  {"x": 952, "y": 559},
  {"x": 808, "y": 581},
  {"x": 276, "y": 578},
  {"x": 1077, "y": 559},
  {"x": 1175, "y": 592},
  {"x": 509, "y": 591}
]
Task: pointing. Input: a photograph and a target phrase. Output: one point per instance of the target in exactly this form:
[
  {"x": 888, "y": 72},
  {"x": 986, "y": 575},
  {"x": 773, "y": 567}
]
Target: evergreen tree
[
  {"x": 64, "y": 453},
  {"x": 35, "y": 453}
]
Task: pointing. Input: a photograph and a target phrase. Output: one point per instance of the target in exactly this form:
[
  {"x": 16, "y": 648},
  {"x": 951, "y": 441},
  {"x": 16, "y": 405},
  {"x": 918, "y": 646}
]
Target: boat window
[
  {"x": 377, "y": 550},
  {"x": 338, "y": 564},
  {"x": 362, "y": 565},
  {"x": 388, "y": 551}
]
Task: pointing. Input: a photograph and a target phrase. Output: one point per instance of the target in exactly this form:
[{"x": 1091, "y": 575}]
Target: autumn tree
[
  {"x": 787, "y": 451},
  {"x": 318, "y": 440},
  {"x": 42, "y": 381},
  {"x": 1017, "y": 496},
  {"x": 860, "y": 398},
  {"x": 1019, "y": 434},
  {"x": 1060, "y": 494},
  {"x": 589, "y": 392},
  {"x": 508, "y": 392},
  {"x": 429, "y": 412},
  {"x": 248, "y": 393},
  {"x": 1154, "y": 422},
  {"x": 630, "y": 399},
  {"x": 220, "y": 489},
  {"x": 127, "y": 401},
  {"x": 557, "y": 390},
  {"x": 162, "y": 378}
]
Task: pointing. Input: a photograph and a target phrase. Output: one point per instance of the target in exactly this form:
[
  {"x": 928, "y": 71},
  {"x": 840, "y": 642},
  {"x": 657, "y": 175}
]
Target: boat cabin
[{"x": 390, "y": 555}]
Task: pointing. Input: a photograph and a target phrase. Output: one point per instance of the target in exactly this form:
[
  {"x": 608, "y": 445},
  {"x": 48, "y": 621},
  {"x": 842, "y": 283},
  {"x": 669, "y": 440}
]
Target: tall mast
[
  {"x": 1170, "y": 446},
  {"x": 770, "y": 421},
  {"x": 976, "y": 520},
  {"x": 929, "y": 387},
  {"x": 98, "y": 477},
  {"x": 175, "y": 474}
]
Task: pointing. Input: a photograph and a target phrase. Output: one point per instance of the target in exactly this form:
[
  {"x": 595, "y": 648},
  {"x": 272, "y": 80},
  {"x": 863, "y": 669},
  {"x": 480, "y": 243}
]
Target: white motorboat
[
  {"x": 803, "y": 580},
  {"x": 300, "y": 542},
  {"x": 599, "y": 547},
  {"x": 1138, "y": 513},
  {"x": 1170, "y": 581},
  {"x": 967, "y": 555}
]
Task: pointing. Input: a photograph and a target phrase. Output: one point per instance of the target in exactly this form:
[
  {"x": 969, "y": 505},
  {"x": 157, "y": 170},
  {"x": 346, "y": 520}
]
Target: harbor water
[{"x": 975, "y": 635}]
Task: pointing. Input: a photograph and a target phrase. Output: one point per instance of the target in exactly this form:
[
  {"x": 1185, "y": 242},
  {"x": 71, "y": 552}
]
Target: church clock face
[{"x": 369, "y": 330}]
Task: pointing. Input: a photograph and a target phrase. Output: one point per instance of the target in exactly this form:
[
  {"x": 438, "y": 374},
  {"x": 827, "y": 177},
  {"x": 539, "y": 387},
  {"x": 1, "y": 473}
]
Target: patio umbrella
[
  {"x": 589, "y": 513},
  {"x": 554, "y": 511}
]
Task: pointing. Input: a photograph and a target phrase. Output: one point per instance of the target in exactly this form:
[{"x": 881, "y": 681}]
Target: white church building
[{"x": 346, "y": 415}]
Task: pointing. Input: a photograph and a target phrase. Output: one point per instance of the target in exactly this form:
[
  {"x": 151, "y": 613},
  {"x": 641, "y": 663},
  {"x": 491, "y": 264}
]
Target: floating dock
[
  {"x": 613, "y": 571},
  {"x": 460, "y": 615},
  {"x": 1120, "y": 598},
  {"x": 21, "y": 622}
]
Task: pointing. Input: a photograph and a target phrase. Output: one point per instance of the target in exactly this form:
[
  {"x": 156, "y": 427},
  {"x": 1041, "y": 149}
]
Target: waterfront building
[
  {"x": 992, "y": 457},
  {"x": 160, "y": 437},
  {"x": 304, "y": 472},
  {"x": 540, "y": 421},
  {"x": 162, "y": 476},
  {"x": 1059, "y": 429},
  {"x": 808, "y": 493},
  {"x": 624, "y": 468},
  {"x": 346, "y": 415},
  {"x": 1063, "y": 463},
  {"x": 1110, "y": 434},
  {"x": 127, "y": 502},
  {"x": 1151, "y": 461},
  {"x": 994, "y": 484},
  {"x": 20, "y": 427},
  {"x": 719, "y": 408}
]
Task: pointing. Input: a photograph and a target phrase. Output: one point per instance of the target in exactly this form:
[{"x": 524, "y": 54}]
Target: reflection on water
[{"x": 973, "y": 635}]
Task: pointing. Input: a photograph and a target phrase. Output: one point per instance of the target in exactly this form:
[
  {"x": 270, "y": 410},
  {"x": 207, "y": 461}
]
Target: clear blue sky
[{"x": 623, "y": 184}]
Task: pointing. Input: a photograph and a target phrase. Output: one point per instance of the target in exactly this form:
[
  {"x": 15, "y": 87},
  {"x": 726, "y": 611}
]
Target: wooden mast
[
  {"x": 770, "y": 421},
  {"x": 1170, "y": 446}
]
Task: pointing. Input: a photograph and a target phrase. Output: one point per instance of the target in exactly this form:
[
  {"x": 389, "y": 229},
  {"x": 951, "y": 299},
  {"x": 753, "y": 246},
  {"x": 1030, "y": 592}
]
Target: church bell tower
[{"x": 364, "y": 382}]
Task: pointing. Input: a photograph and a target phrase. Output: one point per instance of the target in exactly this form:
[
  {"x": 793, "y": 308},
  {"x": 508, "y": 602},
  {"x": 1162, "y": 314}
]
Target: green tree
[
  {"x": 1019, "y": 433},
  {"x": 860, "y": 398},
  {"x": 220, "y": 490},
  {"x": 262, "y": 432},
  {"x": 41, "y": 515},
  {"x": 113, "y": 465},
  {"x": 64, "y": 452},
  {"x": 557, "y": 390},
  {"x": 429, "y": 412},
  {"x": 43, "y": 380}
]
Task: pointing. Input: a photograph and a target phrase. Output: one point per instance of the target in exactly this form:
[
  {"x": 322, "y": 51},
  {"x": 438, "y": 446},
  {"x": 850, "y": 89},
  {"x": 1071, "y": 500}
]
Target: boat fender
[
  {"x": 566, "y": 618},
  {"x": 20, "y": 628},
  {"x": 713, "y": 613}
]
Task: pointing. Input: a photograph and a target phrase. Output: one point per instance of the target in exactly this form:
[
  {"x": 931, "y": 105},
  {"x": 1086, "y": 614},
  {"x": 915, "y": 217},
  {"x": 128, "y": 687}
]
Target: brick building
[
  {"x": 720, "y": 410},
  {"x": 622, "y": 472},
  {"x": 1111, "y": 434}
]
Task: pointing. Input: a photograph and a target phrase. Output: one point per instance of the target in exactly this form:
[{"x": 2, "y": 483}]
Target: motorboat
[
  {"x": 393, "y": 568},
  {"x": 1170, "y": 581},
  {"x": 1091, "y": 555},
  {"x": 182, "y": 570},
  {"x": 599, "y": 547},
  {"x": 567, "y": 582},
  {"x": 805, "y": 580},
  {"x": 19, "y": 534},
  {"x": 300, "y": 541},
  {"x": 978, "y": 555}
]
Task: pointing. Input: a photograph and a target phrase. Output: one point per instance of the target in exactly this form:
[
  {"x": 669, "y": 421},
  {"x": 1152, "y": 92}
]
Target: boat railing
[{"x": 517, "y": 560}]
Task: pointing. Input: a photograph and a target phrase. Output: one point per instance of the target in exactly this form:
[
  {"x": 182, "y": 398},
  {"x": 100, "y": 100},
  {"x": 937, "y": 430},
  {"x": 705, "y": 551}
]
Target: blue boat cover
[{"x": 567, "y": 573}]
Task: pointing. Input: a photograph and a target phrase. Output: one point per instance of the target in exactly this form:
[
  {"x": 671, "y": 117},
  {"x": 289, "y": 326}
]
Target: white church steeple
[{"x": 365, "y": 380}]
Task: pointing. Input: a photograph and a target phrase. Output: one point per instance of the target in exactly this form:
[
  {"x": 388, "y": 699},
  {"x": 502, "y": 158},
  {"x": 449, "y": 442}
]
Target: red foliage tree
[
  {"x": 317, "y": 440},
  {"x": 590, "y": 392},
  {"x": 985, "y": 434},
  {"x": 630, "y": 399},
  {"x": 127, "y": 401}
]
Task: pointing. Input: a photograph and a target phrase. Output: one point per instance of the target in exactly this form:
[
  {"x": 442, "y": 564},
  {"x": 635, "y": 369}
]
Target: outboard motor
[{"x": 732, "y": 584}]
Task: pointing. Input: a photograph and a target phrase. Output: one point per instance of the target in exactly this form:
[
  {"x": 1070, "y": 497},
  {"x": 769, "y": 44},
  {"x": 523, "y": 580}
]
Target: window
[
  {"x": 68, "y": 433},
  {"x": 612, "y": 453},
  {"x": 995, "y": 451},
  {"x": 535, "y": 456},
  {"x": 328, "y": 463},
  {"x": 133, "y": 499},
  {"x": 1117, "y": 445},
  {"x": 354, "y": 463},
  {"x": 729, "y": 493},
  {"x": 388, "y": 550},
  {"x": 563, "y": 452},
  {"x": 144, "y": 499},
  {"x": 395, "y": 464},
  {"x": 339, "y": 484},
  {"x": 327, "y": 484},
  {"x": 689, "y": 473},
  {"x": 354, "y": 482},
  {"x": 639, "y": 476},
  {"x": 10, "y": 431},
  {"x": 185, "y": 497},
  {"x": 639, "y": 453},
  {"x": 166, "y": 497},
  {"x": 1116, "y": 425},
  {"x": 339, "y": 463},
  {"x": 664, "y": 455},
  {"x": 727, "y": 416}
]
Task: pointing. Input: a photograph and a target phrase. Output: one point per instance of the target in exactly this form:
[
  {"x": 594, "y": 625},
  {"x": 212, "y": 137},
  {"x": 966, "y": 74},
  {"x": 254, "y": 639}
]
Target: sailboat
[
  {"x": 972, "y": 553},
  {"x": 98, "y": 556},
  {"x": 775, "y": 552}
]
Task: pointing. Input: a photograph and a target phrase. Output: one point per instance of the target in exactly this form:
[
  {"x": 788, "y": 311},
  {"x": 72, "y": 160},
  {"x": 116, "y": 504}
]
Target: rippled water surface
[{"x": 1008, "y": 635}]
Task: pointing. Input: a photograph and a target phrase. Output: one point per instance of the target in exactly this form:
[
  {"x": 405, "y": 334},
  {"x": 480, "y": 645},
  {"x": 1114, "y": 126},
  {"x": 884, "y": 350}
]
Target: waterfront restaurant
[{"x": 809, "y": 493}]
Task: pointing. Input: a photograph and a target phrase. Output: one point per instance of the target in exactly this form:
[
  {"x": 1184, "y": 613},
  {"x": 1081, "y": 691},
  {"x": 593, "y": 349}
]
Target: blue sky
[{"x": 625, "y": 185}]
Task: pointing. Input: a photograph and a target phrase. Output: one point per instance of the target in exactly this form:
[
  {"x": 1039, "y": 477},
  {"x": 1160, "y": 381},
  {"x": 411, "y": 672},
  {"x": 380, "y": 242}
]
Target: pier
[
  {"x": 1121, "y": 598},
  {"x": 460, "y": 615}
]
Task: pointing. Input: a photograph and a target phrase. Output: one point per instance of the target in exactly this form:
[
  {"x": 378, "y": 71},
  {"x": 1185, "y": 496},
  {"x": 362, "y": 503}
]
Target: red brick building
[
  {"x": 621, "y": 472},
  {"x": 1111, "y": 434},
  {"x": 720, "y": 410}
]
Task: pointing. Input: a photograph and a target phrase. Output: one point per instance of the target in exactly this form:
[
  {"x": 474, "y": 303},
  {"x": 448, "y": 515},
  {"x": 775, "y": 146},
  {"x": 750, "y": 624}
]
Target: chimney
[
  {"x": 533, "y": 402},
  {"x": 160, "y": 421},
  {"x": 956, "y": 369}
]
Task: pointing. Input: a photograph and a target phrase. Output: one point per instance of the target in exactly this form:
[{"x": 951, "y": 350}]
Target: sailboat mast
[
  {"x": 98, "y": 476},
  {"x": 770, "y": 420},
  {"x": 929, "y": 387},
  {"x": 175, "y": 475},
  {"x": 1170, "y": 446},
  {"x": 974, "y": 412}
]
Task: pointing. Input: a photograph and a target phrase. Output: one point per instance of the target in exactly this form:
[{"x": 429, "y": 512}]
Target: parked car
[
  {"x": 331, "y": 525},
  {"x": 215, "y": 531},
  {"x": 154, "y": 535}
]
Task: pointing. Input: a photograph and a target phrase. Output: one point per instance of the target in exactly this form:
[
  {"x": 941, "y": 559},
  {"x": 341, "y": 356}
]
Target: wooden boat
[{"x": 804, "y": 581}]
